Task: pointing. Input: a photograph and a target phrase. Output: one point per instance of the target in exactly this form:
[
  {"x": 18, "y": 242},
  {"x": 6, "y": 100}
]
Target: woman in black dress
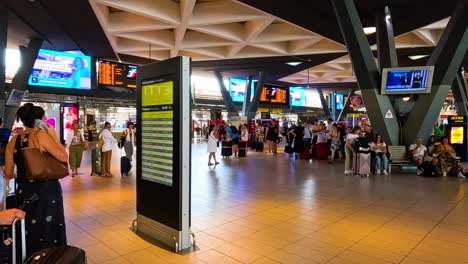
[
  {"x": 45, "y": 220},
  {"x": 299, "y": 144}
]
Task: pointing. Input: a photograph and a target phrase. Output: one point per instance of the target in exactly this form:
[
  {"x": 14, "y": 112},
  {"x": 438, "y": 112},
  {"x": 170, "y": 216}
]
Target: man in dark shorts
[{"x": 272, "y": 137}]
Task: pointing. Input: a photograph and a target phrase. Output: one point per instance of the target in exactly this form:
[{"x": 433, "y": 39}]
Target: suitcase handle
[{"x": 23, "y": 240}]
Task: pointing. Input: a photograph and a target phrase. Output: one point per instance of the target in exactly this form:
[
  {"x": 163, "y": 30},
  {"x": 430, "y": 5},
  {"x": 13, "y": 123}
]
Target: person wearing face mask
[{"x": 108, "y": 143}]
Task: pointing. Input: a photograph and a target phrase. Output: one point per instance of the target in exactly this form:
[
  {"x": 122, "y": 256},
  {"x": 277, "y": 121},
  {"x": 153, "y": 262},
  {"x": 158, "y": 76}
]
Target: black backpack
[{"x": 361, "y": 145}]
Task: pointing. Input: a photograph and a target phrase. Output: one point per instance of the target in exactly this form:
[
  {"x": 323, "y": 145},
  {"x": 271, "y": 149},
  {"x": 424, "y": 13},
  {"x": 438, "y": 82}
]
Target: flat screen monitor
[
  {"x": 274, "y": 94},
  {"x": 116, "y": 74},
  {"x": 237, "y": 89},
  {"x": 409, "y": 80},
  {"x": 304, "y": 97},
  {"x": 339, "y": 100},
  {"x": 457, "y": 135},
  {"x": 61, "y": 70}
]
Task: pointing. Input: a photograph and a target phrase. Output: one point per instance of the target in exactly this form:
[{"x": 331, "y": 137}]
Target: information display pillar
[
  {"x": 164, "y": 151},
  {"x": 457, "y": 132}
]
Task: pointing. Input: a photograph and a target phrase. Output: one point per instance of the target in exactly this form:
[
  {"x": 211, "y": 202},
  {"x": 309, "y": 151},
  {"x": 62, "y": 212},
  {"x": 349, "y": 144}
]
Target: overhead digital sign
[
  {"x": 116, "y": 74},
  {"x": 61, "y": 70},
  {"x": 303, "y": 97},
  {"x": 273, "y": 94}
]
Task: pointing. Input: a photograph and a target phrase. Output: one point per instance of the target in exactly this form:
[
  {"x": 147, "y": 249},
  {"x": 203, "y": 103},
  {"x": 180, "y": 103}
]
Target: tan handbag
[{"x": 40, "y": 165}]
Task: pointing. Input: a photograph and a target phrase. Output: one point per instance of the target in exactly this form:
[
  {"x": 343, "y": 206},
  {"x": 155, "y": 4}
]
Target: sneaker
[
  {"x": 419, "y": 172},
  {"x": 377, "y": 172},
  {"x": 460, "y": 175},
  {"x": 385, "y": 172}
]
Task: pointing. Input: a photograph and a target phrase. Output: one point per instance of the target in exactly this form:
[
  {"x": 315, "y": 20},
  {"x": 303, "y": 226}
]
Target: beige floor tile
[
  {"x": 413, "y": 261},
  {"x": 288, "y": 258},
  {"x": 172, "y": 258},
  {"x": 82, "y": 240},
  {"x": 125, "y": 246},
  {"x": 209, "y": 240},
  {"x": 308, "y": 253},
  {"x": 239, "y": 253},
  {"x": 223, "y": 234},
  {"x": 355, "y": 257},
  {"x": 255, "y": 246},
  {"x": 144, "y": 256},
  {"x": 100, "y": 253},
  {"x": 215, "y": 257},
  {"x": 265, "y": 260},
  {"x": 377, "y": 253},
  {"x": 119, "y": 260}
]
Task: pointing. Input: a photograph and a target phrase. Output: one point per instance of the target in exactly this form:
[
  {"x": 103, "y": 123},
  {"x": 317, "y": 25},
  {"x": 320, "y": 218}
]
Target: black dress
[
  {"x": 299, "y": 144},
  {"x": 45, "y": 220}
]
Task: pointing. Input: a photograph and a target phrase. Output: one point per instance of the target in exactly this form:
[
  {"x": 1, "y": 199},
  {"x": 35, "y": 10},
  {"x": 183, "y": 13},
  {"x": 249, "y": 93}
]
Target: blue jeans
[{"x": 379, "y": 160}]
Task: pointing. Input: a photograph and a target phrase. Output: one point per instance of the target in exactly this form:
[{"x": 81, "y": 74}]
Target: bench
[{"x": 398, "y": 157}]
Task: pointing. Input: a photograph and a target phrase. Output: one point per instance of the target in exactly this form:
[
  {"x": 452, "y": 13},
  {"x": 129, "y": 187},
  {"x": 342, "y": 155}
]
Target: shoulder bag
[{"x": 40, "y": 165}]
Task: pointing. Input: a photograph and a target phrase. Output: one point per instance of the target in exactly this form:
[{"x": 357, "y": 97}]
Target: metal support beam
[
  {"x": 366, "y": 71},
  {"x": 326, "y": 110},
  {"x": 386, "y": 50},
  {"x": 257, "y": 93},
  {"x": 230, "y": 106},
  {"x": 20, "y": 81},
  {"x": 458, "y": 89},
  {"x": 247, "y": 95},
  {"x": 3, "y": 45},
  {"x": 345, "y": 109},
  {"x": 333, "y": 105},
  {"x": 446, "y": 58}
]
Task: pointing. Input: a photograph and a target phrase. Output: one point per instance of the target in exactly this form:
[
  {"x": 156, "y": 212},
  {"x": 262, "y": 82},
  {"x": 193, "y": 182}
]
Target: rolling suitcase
[
  {"x": 321, "y": 151},
  {"x": 125, "y": 166},
  {"x": 64, "y": 254},
  {"x": 226, "y": 149},
  {"x": 242, "y": 149},
  {"x": 306, "y": 154},
  {"x": 96, "y": 162},
  {"x": 362, "y": 164}
]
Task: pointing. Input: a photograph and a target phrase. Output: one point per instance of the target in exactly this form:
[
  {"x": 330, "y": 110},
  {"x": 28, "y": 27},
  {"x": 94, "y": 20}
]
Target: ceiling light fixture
[
  {"x": 417, "y": 57},
  {"x": 369, "y": 30},
  {"x": 293, "y": 63}
]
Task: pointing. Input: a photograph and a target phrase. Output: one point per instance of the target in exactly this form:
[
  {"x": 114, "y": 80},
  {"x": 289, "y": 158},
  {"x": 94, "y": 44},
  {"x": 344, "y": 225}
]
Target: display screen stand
[{"x": 163, "y": 149}]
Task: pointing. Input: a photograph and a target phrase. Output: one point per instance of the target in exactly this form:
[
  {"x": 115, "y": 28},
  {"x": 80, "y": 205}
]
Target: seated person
[
  {"x": 381, "y": 159},
  {"x": 448, "y": 160},
  {"x": 419, "y": 154}
]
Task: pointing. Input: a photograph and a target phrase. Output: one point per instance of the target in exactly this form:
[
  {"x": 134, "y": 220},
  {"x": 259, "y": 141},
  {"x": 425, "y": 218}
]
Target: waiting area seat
[{"x": 399, "y": 157}]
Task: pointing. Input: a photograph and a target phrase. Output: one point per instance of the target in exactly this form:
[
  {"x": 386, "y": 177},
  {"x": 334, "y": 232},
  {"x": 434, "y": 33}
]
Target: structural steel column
[
  {"x": 386, "y": 50},
  {"x": 230, "y": 106},
  {"x": 247, "y": 95},
  {"x": 366, "y": 71},
  {"x": 257, "y": 93},
  {"x": 326, "y": 110},
  {"x": 458, "y": 89},
  {"x": 447, "y": 58},
  {"x": 345, "y": 109},
  {"x": 3, "y": 45},
  {"x": 20, "y": 81}
]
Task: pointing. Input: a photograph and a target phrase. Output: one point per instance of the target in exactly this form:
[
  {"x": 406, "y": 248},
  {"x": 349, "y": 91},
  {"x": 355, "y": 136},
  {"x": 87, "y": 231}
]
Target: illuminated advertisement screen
[
  {"x": 61, "y": 70},
  {"x": 237, "y": 89},
  {"x": 457, "y": 135},
  {"x": 157, "y": 142},
  {"x": 70, "y": 116},
  {"x": 303, "y": 97},
  {"x": 339, "y": 99},
  {"x": 116, "y": 74}
]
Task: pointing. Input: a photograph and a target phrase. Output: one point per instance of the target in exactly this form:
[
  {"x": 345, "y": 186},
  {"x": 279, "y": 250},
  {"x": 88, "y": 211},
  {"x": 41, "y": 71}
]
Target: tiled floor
[{"x": 270, "y": 209}]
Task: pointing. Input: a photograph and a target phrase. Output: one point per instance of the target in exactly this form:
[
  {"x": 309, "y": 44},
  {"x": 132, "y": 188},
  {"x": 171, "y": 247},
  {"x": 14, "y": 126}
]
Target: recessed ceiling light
[
  {"x": 293, "y": 63},
  {"x": 417, "y": 57},
  {"x": 369, "y": 30}
]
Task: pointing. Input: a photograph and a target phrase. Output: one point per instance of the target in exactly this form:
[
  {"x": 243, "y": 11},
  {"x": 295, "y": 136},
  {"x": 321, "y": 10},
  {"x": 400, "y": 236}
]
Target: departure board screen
[
  {"x": 274, "y": 95},
  {"x": 157, "y": 118},
  {"x": 116, "y": 74}
]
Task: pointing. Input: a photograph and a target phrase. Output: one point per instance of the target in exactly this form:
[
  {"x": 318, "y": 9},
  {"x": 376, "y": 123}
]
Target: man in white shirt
[
  {"x": 418, "y": 152},
  {"x": 109, "y": 142},
  {"x": 307, "y": 134}
]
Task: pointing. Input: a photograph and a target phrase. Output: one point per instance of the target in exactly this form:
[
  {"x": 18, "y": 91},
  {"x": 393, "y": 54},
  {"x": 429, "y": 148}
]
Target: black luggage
[
  {"x": 64, "y": 254},
  {"x": 125, "y": 166},
  {"x": 96, "y": 165},
  {"x": 430, "y": 170},
  {"x": 242, "y": 149},
  {"x": 226, "y": 149}
]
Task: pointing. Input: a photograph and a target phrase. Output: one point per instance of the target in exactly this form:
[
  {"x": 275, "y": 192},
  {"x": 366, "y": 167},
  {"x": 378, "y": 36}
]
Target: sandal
[
  {"x": 216, "y": 163},
  {"x": 210, "y": 164}
]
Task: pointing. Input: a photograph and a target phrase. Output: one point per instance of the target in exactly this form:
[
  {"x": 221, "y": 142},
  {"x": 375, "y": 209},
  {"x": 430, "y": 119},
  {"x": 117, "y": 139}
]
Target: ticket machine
[{"x": 457, "y": 132}]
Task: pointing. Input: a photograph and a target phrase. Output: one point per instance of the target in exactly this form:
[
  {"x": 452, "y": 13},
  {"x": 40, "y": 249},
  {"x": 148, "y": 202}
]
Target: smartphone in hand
[{"x": 40, "y": 124}]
